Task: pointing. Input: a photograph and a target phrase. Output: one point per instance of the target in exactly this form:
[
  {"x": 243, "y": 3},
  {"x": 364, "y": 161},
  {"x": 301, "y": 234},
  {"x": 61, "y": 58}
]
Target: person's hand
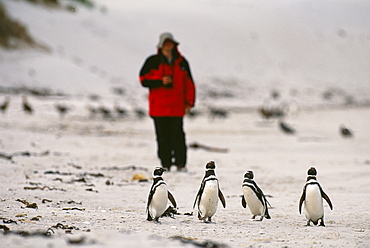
[
  {"x": 166, "y": 80},
  {"x": 187, "y": 108}
]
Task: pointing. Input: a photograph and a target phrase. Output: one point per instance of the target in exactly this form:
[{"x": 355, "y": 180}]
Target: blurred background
[{"x": 241, "y": 52}]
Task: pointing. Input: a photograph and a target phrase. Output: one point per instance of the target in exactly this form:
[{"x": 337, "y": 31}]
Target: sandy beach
[
  {"x": 81, "y": 179},
  {"x": 76, "y": 175}
]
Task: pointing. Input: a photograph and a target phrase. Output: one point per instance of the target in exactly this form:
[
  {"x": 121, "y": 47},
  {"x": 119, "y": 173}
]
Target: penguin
[
  {"x": 312, "y": 197},
  {"x": 208, "y": 194},
  {"x": 254, "y": 197},
  {"x": 158, "y": 195},
  {"x": 27, "y": 108},
  {"x": 345, "y": 132},
  {"x": 4, "y": 106},
  {"x": 62, "y": 109}
]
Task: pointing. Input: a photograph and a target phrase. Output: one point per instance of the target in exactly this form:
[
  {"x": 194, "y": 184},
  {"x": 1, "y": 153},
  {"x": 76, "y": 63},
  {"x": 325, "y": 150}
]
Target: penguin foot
[
  {"x": 322, "y": 223},
  {"x": 308, "y": 223},
  {"x": 156, "y": 220},
  {"x": 254, "y": 218}
]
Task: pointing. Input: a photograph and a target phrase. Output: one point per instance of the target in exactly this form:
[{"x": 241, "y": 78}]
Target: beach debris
[
  {"x": 80, "y": 180},
  {"x": 74, "y": 208},
  {"x": 196, "y": 145},
  {"x": 43, "y": 188},
  {"x": 195, "y": 242},
  {"x": 28, "y": 205},
  {"x": 139, "y": 177},
  {"x": 65, "y": 227},
  {"x": 5, "y": 156},
  {"x": 46, "y": 200},
  {"x": 92, "y": 190},
  {"x": 8, "y": 221},
  {"x": 93, "y": 174},
  {"x": 130, "y": 167},
  {"x": 46, "y": 233},
  {"x": 10, "y": 156},
  {"x": 58, "y": 173},
  {"x": 21, "y": 215},
  {"x": 79, "y": 167},
  {"x": 345, "y": 131},
  {"x": 286, "y": 128},
  {"x": 36, "y": 218}
]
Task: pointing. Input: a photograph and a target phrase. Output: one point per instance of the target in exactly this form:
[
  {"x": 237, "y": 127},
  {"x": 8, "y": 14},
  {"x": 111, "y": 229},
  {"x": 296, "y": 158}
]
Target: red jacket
[{"x": 170, "y": 100}]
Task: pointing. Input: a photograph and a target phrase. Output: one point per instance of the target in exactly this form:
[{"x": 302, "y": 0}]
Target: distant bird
[
  {"x": 286, "y": 128},
  {"x": 27, "y": 108},
  {"x": 62, "y": 109},
  {"x": 121, "y": 112},
  {"x": 158, "y": 196},
  {"x": 218, "y": 113},
  {"x": 254, "y": 197},
  {"x": 345, "y": 132},
  {"x": 275, "y": 94},
  {"x": 208, "y": 194},
  {"x": 139, "y": 113},
  {"x": 106, "y": 113},
  {"x": 4, "y": 106},
  {"x": 92, "y": 110},
  {"x": 193, "y": 114},
  {"x": 312, "y": 198}
]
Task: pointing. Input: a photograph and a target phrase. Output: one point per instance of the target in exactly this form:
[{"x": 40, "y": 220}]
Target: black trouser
[{"x": 171, "y": 141}]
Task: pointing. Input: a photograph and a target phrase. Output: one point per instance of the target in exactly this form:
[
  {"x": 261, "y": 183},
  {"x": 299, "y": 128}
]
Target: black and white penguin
[
  {"x": 158, "y": 196},
  {"x": 208, "y": 194},
  {"x": 312, "y": 197},
  {"x": 254, "y": 197}
]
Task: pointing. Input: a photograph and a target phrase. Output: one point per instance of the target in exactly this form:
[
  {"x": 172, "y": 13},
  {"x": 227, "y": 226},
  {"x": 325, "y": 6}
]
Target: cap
[{"x": 166, "y": 36}]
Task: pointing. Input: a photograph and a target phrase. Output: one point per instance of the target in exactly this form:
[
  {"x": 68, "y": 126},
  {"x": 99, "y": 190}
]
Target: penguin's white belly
[
  {"x": 314, "y": 209},
  {"x": 158, "y": 205},
  {"x": 209, "y": 200},
  {"x": 255, "y": 205}
]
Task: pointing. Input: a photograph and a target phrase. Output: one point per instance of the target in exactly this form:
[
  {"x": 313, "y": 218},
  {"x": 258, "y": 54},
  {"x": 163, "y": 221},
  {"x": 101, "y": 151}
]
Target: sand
[{"x": 78, "y": 171}]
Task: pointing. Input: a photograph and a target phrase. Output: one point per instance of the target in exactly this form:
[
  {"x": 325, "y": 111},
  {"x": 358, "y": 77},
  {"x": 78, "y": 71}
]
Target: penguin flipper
[
  {"x": 222, "y": 198},
  {"x": 150, "y": 197},
  {"x": 199, "y": 194},
  {"x": 244, "y": 203},
  {"x": 303, "y": 197},
  {"x": 267, "y": 202},
  {"x": 172, "y": 199},
  {"x": 326, "y": 197}
]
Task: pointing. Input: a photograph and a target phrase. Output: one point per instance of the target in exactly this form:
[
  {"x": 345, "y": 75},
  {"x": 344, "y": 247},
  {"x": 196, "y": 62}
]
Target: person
[{"x": 171, "y": 94}]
